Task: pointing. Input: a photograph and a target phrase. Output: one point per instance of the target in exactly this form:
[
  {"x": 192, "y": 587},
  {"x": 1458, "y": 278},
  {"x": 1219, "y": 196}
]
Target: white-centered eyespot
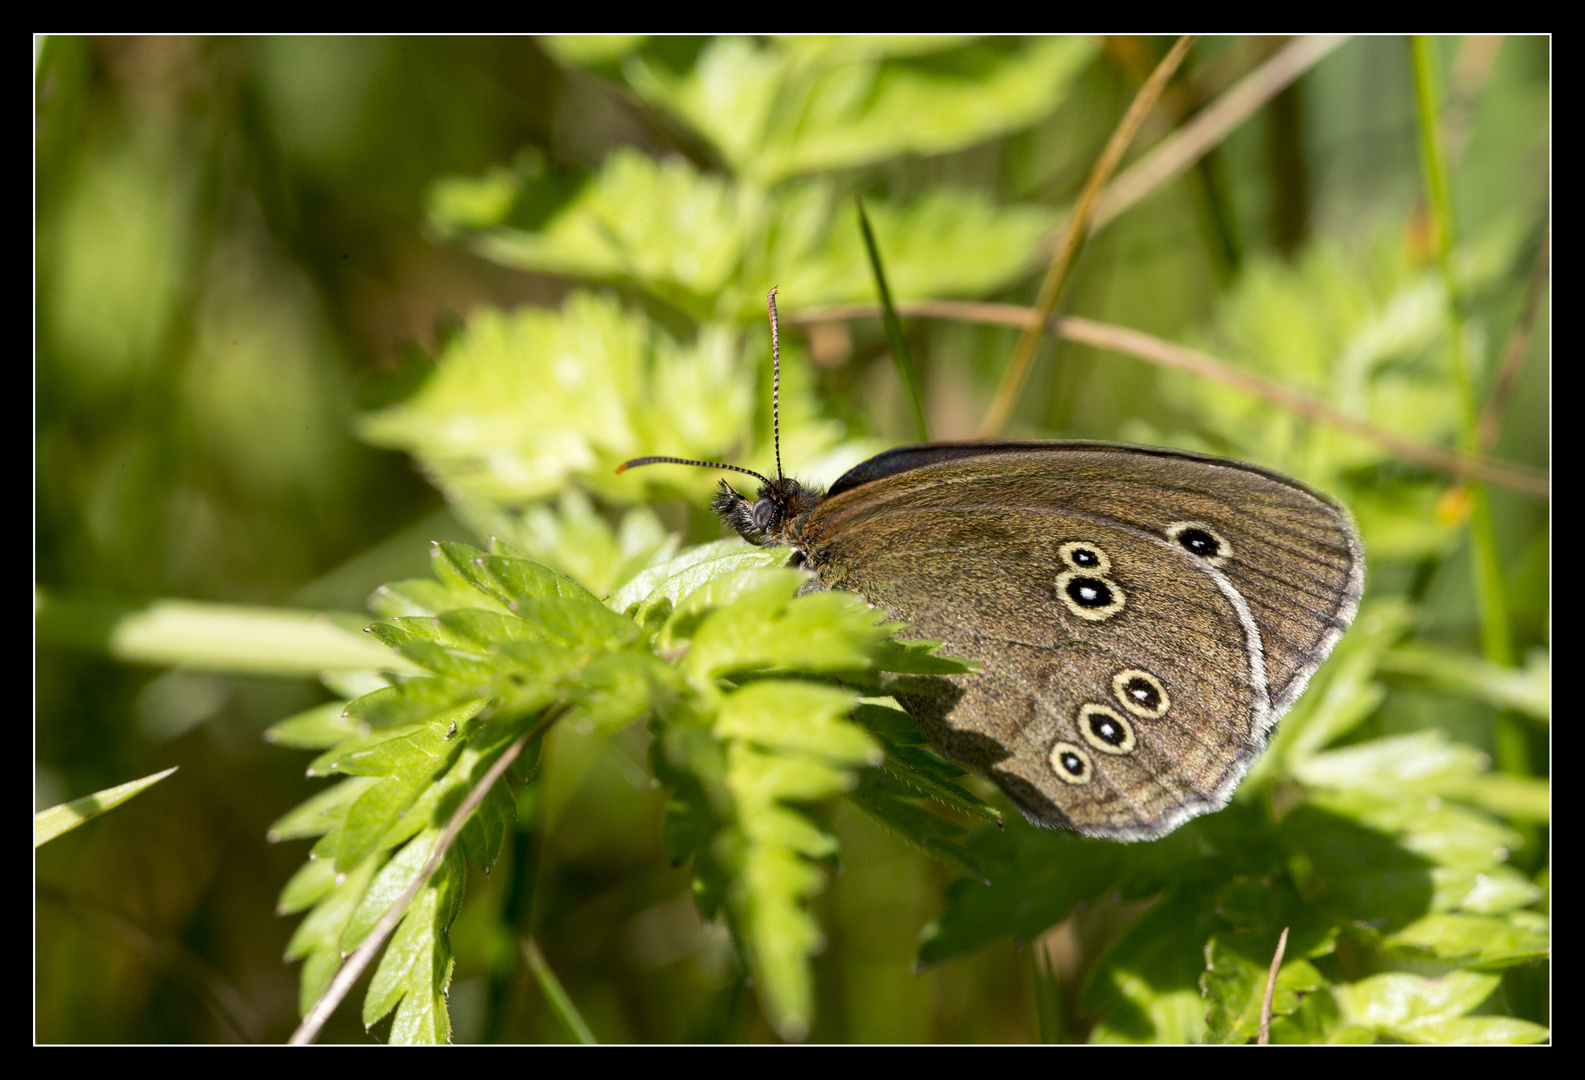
[
  {"x": 1141, "y": 693},
  {"x": 1089, "y": 595},
  {"x": 1106, "y": 729},
  {"x": 1201, "y": 541},
  {"x": 1071, "y": 763},
  {"x": 1082, "y": 555}
]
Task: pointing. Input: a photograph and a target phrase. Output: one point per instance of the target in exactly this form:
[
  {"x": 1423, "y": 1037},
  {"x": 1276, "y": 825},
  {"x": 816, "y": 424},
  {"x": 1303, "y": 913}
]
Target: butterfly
[{"x": 1141, "y": 617}]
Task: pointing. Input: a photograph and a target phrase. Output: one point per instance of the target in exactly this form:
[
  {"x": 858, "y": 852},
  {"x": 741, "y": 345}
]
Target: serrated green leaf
[
  {"x": 800, "y": 717},
  {"x": 757, "y": 625},
  {"x": 419, "y": 701},
  {"x": 417, "y": 960},
  {"x": 1237, "y": 965},
  {"x": 1475, "y": 1031},
  {"x": 661, "y": 588},
  {"x": 932, "y": 834},
  {"x": 1410, "y": 1007},
  {"x": 800, "y": 106},
  {"x": 1037, "y": 877},
  {"x": 1146, "y": 987},
  {"x": 1425, "y": 760},
  {"x": 321, "y": 813},
  {"x": 918, "y": 658},
  {"x": 318, "y": 728},
  {"x": 310, "y": 884},
  {"x": 1485, "y": 892},
  {"x": 486, "y": 829},
  {"x": 1527, "y": 689},
  {"x": 321, "y": 930},
  {"x": 422, "y": 597},
  {"x": 1477, "y": 941}
]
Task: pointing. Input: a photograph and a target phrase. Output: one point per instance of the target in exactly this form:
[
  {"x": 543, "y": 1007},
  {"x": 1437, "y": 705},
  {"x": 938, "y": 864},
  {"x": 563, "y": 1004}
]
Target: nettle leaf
[
  {"x": 321, "y": 813},
  {"x": 317, "y": 939},
  {"x": 880, "y": 795},
  {"x": 947, "y": 242},
  {"x": 1147, "y": 985},
  {"x": 660, "y": 222},
  {"x": 1037, "y": 878},
  {"x": 802, "y": 105},
  {"x": 1234, "y": 985},
  {"x": 1431, "y": 1010},
  {"x": 749, "y": 621},
  {"x": 653, "y": 594},
  {"x": 713, "y": 248},
  {"x": 314, "y": 729},
  {"x": 572, "y": 537},
  {"x": 415, "y": 748},
  {"x": 1344, "y": 692},
  {"x": 521, "y": 404},
  {"x": 1475, "y": 941}
]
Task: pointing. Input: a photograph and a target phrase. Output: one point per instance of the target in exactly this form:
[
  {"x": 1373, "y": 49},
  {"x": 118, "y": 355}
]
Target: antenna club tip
[{"x": 622, "y": 468}]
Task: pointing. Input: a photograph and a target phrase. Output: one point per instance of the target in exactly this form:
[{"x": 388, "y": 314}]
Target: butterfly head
[{"x": 765, "y": 519}]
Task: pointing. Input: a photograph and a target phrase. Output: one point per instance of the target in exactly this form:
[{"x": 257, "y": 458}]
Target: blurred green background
[{"x": 251, "y": 254}]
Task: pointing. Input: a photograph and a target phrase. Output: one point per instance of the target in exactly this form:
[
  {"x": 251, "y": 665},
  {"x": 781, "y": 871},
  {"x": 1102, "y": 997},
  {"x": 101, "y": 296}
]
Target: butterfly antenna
[
  {"x": 636, "y": 462},
  {"x": 775, "y": 381}
]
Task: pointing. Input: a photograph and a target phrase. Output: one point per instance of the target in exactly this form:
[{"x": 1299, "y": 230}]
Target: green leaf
[
  {"x": 321, "y": 813},
  {"x": 798, "y": 717},
  {"x": 1037, "y": 877},
  {"x": 48, "y": 824},
  {"x": 919, "y": 770},
  {"x": 930, "y": 833},
  {"x": 521, "y": 404},
  {"x": 749, "y": 621},
  {"x": 798, "y": 106},
  {"x": 318, "y": 728},
  {"x": 417, "y": 964},
  {"x": 571, "y": 537},
  {"x": 317, "y": 938},
  {"x": 1475, "y": 941},
  {"x": 1413, "y": 1008},
  {"x": 1237, "y": 965},
  {"x": 1146, "y": 986},
  {"x": 311, "y": 884},
  {"x": 1527, "y": 689}
]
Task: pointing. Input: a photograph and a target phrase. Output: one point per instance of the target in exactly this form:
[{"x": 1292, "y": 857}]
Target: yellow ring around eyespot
[
  {"x": 1120, "y": 683},
  {"x": 1061, "y": 770},
  {"x": 1091, "y": 614},
  {"x": 1224, "y": 550},
  {"x": 1065, "y": 553},
  {"x": 1129, "y": 743}
]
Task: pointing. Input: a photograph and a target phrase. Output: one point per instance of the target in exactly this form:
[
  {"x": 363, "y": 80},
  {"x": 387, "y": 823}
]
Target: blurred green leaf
[
  {"x": 48, "y": 824},
  {"x": 803, "y": 105}
]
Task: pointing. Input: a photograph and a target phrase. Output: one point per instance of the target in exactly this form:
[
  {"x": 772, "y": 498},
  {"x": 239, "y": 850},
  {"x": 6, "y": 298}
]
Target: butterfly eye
[
  {"x": 1201, "y": 541},
  {"x": 1141, "y": 693},
  {"x": 763, "y": 513},
  {"x": 1071, "y": 764}
]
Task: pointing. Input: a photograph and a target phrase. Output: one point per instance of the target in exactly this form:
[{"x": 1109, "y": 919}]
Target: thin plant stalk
[
  {"x": 560, "y": 1002},
  {"x": 1514, "y": 352},
  {"x": 1173, "y": 156},
  {"x": 1168, "y": 354},
  {"x": 1061, "y": 269},
  {"x": 901, "y": 354},
  {"x": 363, "y": 956},
  {"x": 1271, "y": 989},
  {"x": 1496, "y": 638}
]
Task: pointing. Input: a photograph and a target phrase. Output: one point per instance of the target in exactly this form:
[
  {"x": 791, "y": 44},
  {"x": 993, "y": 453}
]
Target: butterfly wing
[{"x": 1141, "y": 617}]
